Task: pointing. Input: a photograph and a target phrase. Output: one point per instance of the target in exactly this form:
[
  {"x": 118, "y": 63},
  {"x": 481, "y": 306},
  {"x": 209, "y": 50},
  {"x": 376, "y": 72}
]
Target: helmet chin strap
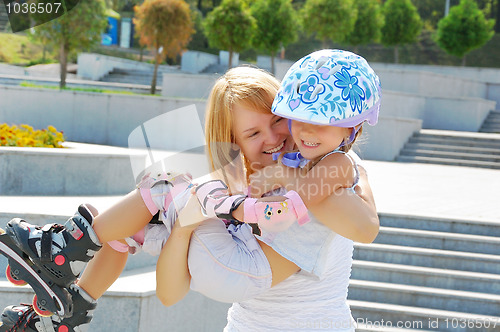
[{"x": 354, "y": 131}]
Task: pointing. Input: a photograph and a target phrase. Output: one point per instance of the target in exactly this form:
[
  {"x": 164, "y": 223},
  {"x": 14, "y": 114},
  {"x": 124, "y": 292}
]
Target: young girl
[
  {"x": 331, "y": 93},
  {"x": 133, "y": 208}
]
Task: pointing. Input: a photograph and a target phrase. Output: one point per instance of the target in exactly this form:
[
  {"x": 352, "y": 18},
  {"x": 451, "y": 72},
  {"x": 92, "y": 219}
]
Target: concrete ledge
[
  {"x": 462, "y": 114},
  {"x": 95, "y": 66},
  {"x": 188, "y": 85},
  {"x": 493, "y": 93},
  {"x": 486, "y": 75},
  {"x": 77, "y": 170},
  {"x": 438, "y": 112},
  {"x": 131, "y": 305},
  {"x": 195, "y": 62},
  {"x": 387, "y": 138}
]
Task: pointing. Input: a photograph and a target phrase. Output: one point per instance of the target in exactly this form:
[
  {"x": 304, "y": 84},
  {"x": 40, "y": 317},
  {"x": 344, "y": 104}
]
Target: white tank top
[
  {"x": 303, "y": 302},
  {"x": 315, "y": 301}
]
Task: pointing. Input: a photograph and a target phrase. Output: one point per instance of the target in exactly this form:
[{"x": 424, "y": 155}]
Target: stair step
[
  {"x": 426, "y": 277},
  {"x": 451, "y": 148},
  {"x": 472, "y": 155},
  {"x": 452, "y": 141},
  {"x": 447, "y": 161},
  {"x": 440, "y": 224},
  {"x": 420, "y": 318},
  {"x": 460, "y": 134},
  {"x": 490, "y": 131},
  {"x": 424, "y": 297},
  {"x": 444, "y": 259},
  {"x": 439, "y": 240},
  {"x": 382, "y": 327}
]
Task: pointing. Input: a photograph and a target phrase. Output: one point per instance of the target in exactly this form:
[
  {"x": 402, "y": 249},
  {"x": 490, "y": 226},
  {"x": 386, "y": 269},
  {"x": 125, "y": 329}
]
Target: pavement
[{"x": 463, "y": 193}]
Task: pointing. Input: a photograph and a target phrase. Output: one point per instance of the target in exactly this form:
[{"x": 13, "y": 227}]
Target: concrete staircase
[
  {"x": 430, "y": 274},
  {"x": 492, "y": 123},
  {"x": 426, "y": 273},
  {"x": 134, "y": 76},
  {"x": 453, "y": 148}
]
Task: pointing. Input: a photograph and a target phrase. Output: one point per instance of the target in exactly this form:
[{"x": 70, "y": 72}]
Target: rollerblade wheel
[
  {"x": 40, "y": 311},
  {"x": 13, "y": 278}
]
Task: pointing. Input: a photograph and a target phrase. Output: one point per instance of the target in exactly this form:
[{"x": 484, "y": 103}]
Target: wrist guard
[{"x": 275, "y": 217}]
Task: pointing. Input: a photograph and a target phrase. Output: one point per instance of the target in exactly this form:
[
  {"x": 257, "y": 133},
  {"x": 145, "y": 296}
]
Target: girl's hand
[
  {"x": 269, "y": 178},
  {"x": 190, "y": 216}
]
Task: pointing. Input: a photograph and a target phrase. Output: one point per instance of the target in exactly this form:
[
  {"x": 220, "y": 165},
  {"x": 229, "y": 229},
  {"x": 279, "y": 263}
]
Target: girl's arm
[
  {"x": 355, "y": 215},
  {"x": 323, "y": 192}
]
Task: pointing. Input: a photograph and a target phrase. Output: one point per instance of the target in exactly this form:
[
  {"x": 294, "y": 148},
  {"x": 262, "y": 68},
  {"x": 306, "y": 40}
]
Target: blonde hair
[{"x": 246, "y": 86}]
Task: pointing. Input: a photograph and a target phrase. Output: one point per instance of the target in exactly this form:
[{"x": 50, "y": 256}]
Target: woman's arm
[{"x": 172, "y": 272}]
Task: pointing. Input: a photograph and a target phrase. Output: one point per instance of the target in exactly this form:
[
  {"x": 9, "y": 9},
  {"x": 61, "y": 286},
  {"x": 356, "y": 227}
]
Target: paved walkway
[{"x": 401, "y": 188}]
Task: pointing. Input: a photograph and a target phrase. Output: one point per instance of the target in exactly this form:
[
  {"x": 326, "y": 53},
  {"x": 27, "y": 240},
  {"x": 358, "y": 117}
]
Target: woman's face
[{"x": 259, "y": 135}]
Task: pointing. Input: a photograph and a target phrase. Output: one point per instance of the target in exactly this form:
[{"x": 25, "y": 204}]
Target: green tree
[
  {"x": 277, "y": 25},
  {"x": 464, "y": 29},
  {"x": 230, "y": 26},
  {"x": 329, "y": 19},
  {"x": 118, "y": 5},
  {"x": 402, "y": 24},
  {"x": 368, "y": 23},
  {"x": 165, "y": 26},
  {"x": 78, "y": 29}
]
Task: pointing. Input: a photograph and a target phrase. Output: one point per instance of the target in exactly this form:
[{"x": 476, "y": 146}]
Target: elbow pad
[{"x": 227, "y": 265}]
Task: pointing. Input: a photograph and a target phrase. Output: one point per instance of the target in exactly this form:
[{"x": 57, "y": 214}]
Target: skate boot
[
  {"x": 49, "y": 258},
  {"x": 24, "y": 318}
]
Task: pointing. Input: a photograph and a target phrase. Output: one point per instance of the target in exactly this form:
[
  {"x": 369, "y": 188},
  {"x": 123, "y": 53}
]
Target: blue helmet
[{"x": 330, "y": 87}]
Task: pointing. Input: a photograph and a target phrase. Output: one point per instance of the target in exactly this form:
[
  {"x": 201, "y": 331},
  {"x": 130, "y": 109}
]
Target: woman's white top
[{"x": 304, "y": 301}]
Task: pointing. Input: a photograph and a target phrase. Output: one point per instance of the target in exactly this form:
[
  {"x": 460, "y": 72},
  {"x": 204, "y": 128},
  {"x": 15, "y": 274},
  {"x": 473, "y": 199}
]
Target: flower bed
[{"x": 25, "y": 136}]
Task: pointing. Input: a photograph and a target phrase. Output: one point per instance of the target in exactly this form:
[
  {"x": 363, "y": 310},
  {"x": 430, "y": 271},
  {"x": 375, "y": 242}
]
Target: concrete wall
[
  {"x": 195, "y": 62},
  {"x": 95, "y": 66},
  {"x": 462, "y": 114},
  {"x": 486, "y": 75},
  {"x": 402, "y": 105},
  {"x": 377, "y": 144},
  {"x": 91, "y": 117},
  {"x": 494, "y": 93},
  {"x": 445, "y": 113},
  {"x": 188, "y": 85},
  {"x": 430, "y": 84}
]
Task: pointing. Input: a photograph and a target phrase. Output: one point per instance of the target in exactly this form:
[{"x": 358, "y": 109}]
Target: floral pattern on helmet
[{"x": 310, "y": 89}]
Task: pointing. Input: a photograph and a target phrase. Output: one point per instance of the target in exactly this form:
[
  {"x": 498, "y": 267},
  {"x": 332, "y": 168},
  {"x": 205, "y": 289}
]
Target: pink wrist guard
[
  {"x": 215, "y": 201},
  {"x": 276, "y": 216}
]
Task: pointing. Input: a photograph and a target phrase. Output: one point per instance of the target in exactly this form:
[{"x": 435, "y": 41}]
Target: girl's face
[
  {"x": 259, "y": 135},
  {"x": 315, "y": 141}
]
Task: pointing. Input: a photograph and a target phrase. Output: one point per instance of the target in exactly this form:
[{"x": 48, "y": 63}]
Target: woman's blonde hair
[{"x": 246, "y": 86}]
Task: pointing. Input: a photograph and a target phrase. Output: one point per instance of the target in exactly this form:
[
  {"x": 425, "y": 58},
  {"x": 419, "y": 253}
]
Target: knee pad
[
  {"x": 227, "y": 265},
  {"x": 132, "y": 244},
  {"x": 158, "y": 191}
]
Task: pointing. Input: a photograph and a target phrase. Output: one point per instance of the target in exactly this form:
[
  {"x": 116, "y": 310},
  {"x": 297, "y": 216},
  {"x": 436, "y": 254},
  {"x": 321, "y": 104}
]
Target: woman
[{"x": 270, "y": 286}]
